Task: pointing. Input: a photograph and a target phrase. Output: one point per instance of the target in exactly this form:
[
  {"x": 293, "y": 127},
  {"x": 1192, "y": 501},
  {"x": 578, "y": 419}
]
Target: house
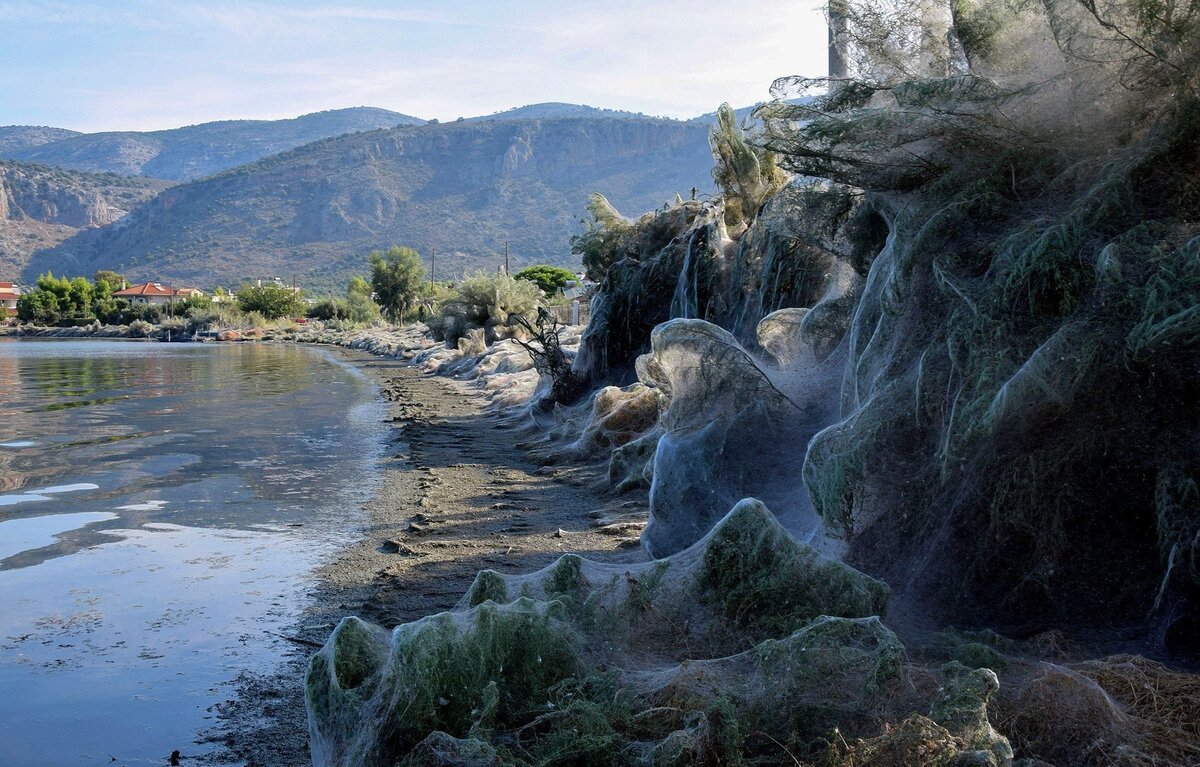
[
  {"x": 8, "y": 299},
  {"x": 155, "y": 293}
]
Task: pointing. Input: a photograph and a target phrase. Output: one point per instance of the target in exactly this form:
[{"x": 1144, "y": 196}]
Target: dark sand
[{"x": 458, "y": 495}]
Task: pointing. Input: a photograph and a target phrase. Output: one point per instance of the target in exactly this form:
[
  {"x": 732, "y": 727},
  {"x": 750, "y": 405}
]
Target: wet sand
[{"x": 458, "y": 495}]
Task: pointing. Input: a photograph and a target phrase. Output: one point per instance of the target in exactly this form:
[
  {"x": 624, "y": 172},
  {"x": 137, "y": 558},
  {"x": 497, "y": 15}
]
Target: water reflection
[{"x": 160, "y": 505}]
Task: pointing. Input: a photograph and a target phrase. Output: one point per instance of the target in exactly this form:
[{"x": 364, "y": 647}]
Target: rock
[{"x": 229, "y": 335}]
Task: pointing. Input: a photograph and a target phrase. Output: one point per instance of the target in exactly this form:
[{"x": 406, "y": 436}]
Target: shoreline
[{"x": 457, "y": 495}]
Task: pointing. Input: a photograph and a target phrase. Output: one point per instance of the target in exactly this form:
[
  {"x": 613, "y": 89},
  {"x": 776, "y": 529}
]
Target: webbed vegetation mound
[
  {"x": 743, "y": 648},
  {"x": 987, "y": 370},
  {"x": 1018, "y": 439}
]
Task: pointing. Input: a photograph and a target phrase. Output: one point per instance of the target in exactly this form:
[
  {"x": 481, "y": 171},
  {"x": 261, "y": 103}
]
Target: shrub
[
  {"x": 270, "y": 301},
  {"x": 484, "y": 301}
]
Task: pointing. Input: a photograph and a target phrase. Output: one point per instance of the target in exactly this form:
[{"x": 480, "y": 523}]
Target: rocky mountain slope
[
  {"x": 193, "y": 151},
  {"x": 17, "y": 137},
  {"x": 463, "y": 188},
  {"x": 41, "y": 206}
]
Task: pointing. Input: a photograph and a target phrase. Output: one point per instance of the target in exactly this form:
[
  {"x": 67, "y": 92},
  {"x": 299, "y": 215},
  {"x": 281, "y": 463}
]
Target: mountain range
[
  {"x": 182, "y": 154},
  {"x": 314, "y": 209},
  {"x": 41, "y": 207}
]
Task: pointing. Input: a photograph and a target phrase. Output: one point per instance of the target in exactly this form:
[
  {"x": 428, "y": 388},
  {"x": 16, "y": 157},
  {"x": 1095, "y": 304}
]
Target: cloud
[{"x": 143, "y": 64}]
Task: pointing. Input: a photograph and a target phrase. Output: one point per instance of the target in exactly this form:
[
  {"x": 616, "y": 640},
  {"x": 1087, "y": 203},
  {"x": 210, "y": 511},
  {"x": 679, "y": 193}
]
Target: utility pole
[
  {"x": 506, "y": 256},
  {"x": 432, "y": 261}
]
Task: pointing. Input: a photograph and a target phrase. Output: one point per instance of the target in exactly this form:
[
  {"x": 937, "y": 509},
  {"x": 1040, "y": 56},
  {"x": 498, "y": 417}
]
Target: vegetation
[
  {"x": 746, "y": 174},
  {"x": 445, "y": 189},
  {"x": 549, "y": 359},
  {"x": 270, "y": 300},
  {"x": 609, "y": 237},
  {"x": 397, "y": 277},
  {"x": 549, "y": 278},
  {"x": 357, "y": 307},
  {"x": 76, "y": 301},
  {"x": 484, "y": 301}
]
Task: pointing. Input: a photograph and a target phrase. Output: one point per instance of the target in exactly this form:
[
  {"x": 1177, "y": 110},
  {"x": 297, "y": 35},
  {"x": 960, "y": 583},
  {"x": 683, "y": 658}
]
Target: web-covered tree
[{"x": 747, "y": 174}]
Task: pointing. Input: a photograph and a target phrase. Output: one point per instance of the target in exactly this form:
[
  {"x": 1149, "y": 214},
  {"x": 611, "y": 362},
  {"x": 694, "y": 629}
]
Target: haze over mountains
[
  {"x": 310, "y": 197},
  {"x": 182, "y": 154}
]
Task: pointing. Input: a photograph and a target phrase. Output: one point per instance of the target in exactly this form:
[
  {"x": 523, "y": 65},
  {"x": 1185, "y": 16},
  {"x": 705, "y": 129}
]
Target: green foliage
[
  {"x": 488, "y": 585},
  {"x": 38, "y": 306},
  {"x": 357, "y": 307},
  {"x": 396, "y": 279},
  {"x": 767, "y": 582},
  {"x": 484, "y": 301},
  {"x": 113, "y": 280},
  {"x": 608, "y": 237},
  {"x": 604, "y": 241},
  {"x": 746, "y": 174},
  {"x": 447, "y": 670},
  {"x": 271, "y": 301},
  {"x": 1042, "y": 238},
  {"x": 549, "y": 278}
]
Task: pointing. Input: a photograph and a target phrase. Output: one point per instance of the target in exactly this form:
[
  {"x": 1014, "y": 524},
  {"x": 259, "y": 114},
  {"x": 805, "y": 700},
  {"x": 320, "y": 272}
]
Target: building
[
  {"x": 155, "y": 293},
  {"x": 8, "y": 299}
]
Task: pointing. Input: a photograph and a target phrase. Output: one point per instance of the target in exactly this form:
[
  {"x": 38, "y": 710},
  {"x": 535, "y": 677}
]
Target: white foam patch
[
  {"x": 145, "y": 506},
  {"x": 67, "y": 488},
  {"x": 22, "y": 443}
]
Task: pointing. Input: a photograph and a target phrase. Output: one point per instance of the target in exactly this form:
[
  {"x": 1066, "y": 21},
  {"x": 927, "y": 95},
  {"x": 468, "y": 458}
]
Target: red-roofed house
[
  {"x": 8, "y": 299},
  {"x": 155, "y": 293}
]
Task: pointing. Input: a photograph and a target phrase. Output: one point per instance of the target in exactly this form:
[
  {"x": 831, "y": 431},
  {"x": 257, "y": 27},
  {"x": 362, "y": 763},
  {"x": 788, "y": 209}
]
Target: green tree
[
  {"x": 38, "y": 306},
  {"x": 548, "y": 278},
  {"x": 396, "y": 279},
  {"x": 271, "y": 301},
  {"x": 80, "y": 297},
  {"x": 359, "y": 285},
  {"x": 113, "y": 279}
]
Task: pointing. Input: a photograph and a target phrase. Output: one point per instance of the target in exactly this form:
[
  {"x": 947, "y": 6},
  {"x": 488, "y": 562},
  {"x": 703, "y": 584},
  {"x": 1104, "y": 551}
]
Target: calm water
[{"x": 161, "y": 509}]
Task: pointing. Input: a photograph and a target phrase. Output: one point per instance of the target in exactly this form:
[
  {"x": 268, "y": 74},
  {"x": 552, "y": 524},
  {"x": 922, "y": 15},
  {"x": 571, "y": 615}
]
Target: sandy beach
[{"x": 459, "y": 494}]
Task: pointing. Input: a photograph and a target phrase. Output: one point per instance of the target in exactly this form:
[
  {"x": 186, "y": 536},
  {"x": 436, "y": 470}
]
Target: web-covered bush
[{"x": 484, "y": 301}]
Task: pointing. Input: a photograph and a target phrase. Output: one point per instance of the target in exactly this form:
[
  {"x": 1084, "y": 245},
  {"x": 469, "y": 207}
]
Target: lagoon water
[{"x": 162, "y": 508}]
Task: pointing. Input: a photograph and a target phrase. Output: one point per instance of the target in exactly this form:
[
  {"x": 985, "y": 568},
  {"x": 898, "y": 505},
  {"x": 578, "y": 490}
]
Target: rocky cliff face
[
  {"x": 463, "y": 188},
  {"x": 40, "y": 207}
]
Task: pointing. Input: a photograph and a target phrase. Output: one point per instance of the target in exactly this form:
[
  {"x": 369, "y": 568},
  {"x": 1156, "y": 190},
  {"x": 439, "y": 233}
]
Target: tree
[
  {"x": 605, "y": 240},
  {"x": 38, "y": 306},
  {"x": 548, "y": 278},
  {"x": 358, "y": 285},
  {"x": 747, "y": 175},
  {"x": 396, "y": 279},
  {"x": 113, "y": 279},
  {"x": 271, "y": 301}
]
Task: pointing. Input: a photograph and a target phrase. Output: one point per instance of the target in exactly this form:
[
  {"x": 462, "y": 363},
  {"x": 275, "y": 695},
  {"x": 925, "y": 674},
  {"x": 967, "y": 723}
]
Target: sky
[{"x": 98, "y": 65}]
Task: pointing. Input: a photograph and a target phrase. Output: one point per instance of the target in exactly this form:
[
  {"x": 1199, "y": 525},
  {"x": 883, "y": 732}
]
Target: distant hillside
[
  {"x": 41, "y": 206},
  {"x": 16, "y": 137},
  {"x": 553, "y": 109},
  {"x": 462, "y": 187},
  {"x": 199, "y": 150}
]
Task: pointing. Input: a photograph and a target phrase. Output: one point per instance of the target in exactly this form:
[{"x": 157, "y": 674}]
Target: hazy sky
[{"x": 148, "y": 64}]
